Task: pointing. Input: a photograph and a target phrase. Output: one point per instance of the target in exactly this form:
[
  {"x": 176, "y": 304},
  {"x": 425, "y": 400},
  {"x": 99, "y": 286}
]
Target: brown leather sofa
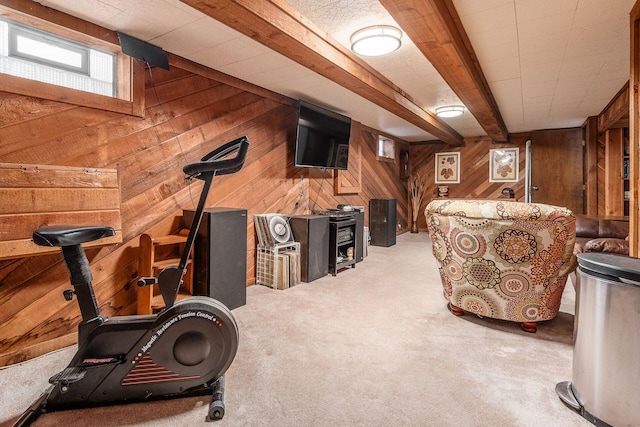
[{"x": 601, "y": 235}]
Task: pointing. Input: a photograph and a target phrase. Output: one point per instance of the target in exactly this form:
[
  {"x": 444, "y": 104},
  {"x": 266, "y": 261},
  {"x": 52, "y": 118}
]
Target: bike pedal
[{"x": 68, "y": 376}]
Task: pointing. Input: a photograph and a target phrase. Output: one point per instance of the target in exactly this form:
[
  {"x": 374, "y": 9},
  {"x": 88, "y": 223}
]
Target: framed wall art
[
  {"x": 447, "y": 168},
  {"x": 503, "y": 165}
]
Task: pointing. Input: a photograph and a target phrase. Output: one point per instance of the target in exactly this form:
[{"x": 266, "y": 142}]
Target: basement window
[
  {"x": 386, "y": 149},
  {"x": 53, "y": 60},
  {"x": 35, "y": 54}
]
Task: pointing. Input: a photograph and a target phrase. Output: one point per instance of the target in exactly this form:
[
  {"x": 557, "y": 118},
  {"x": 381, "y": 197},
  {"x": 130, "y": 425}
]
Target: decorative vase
[{"x": 414, "y": 226}]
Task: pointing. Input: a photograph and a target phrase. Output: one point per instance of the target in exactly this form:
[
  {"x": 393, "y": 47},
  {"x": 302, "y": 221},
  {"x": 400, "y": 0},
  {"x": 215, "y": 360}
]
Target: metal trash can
[{"x": 605, "y": 386}]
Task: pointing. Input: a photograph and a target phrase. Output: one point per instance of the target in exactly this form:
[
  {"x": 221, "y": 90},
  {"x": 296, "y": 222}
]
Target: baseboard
[{"x": 35, "y": 350}]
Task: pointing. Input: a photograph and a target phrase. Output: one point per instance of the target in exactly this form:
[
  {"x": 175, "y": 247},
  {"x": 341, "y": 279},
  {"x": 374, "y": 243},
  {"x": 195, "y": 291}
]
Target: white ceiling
[{"x": 549, "y": 63}]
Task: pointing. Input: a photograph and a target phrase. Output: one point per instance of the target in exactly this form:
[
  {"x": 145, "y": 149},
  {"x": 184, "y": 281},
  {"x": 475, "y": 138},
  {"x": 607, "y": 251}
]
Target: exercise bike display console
[{"x": 184, "y": 350}]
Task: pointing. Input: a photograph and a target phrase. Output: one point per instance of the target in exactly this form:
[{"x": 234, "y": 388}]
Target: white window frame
[
  {"x": 16, "y": 31},
  {"x": 45, "y": 68}
]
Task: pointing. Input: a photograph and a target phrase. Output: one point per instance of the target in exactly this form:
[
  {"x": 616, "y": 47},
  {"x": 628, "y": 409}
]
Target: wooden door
[{"x": 556, "y": 168}]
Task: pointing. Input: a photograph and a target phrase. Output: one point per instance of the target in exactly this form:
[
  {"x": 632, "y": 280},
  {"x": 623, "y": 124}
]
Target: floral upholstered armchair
[{"x": 502, "y": 259}]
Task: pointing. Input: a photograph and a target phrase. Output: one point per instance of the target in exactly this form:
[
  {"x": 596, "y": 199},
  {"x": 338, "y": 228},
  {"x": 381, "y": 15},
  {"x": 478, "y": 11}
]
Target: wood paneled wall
[
  {"x": 187, "y": 115},
  {"x": 380, "y": 179},
  {"x": 474, "y": 171}
]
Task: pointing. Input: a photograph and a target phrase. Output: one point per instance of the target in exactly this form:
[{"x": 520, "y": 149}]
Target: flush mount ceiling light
[
  {"x": 450, "y": 111},
  {"x": 376, "y": 41}
]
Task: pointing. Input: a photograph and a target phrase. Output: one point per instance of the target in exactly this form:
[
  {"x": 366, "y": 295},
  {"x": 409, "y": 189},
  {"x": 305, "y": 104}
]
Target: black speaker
[
  {"x": 359, "y": 236},
  {"x": 220, "y": 255},
  {"x": 312, "y": 232},
  {"x": 382, "y": 222}
]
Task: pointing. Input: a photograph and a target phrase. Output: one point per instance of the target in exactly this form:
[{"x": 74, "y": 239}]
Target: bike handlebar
[{"x": 217, "y": 161}]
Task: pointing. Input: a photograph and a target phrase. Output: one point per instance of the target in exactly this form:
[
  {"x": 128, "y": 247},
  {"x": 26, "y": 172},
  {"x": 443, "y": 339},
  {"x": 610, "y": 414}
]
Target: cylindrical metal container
[{"x": 606, "y": 355}]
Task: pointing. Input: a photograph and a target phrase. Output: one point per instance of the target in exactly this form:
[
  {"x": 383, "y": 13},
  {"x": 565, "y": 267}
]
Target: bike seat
[{"x": 70, "y": 235}]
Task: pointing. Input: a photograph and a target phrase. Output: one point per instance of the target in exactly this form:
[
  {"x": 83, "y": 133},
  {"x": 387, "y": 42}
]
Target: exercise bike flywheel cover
[{"x": 197, "y": 336}]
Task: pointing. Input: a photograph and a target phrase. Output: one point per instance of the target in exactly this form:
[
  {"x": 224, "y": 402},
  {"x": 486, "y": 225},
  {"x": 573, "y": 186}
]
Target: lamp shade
[
  {"x": 450, "y": 111},
  {"x": 376, "y": 41}
]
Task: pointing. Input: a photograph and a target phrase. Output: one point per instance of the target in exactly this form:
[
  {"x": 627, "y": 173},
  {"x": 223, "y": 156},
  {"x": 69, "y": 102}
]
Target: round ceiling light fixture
[
  {"x": 376, "y": 41},
  {"x": 450, "y": 111}
]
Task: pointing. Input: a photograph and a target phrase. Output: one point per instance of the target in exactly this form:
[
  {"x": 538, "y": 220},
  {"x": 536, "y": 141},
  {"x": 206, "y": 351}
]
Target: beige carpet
[{"x": 373, "y": 346}]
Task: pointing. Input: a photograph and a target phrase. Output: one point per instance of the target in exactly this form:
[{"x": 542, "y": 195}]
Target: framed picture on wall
[
  {"x": 503, "y": 165},
  {"x": 447, "y": 168}
]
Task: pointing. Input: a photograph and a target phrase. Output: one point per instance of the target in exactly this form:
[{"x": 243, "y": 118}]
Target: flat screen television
[{"x": 322, "y": 139}]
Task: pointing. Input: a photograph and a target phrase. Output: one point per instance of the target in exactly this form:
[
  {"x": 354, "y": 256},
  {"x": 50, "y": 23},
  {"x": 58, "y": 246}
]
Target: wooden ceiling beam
[
  {"x": 616, "y": 113},
  {"x": 435, "y": 28},
  {"x": 275, "y": 24}
]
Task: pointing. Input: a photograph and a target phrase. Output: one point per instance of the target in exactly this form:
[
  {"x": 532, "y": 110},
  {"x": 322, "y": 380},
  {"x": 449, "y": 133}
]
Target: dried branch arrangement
[{"x": 416, "y": 185}]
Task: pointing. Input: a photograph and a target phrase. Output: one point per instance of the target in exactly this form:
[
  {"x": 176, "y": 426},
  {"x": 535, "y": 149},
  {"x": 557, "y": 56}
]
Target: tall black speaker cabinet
[
  {"x": 382, "y": 222},
  {"x": 312, "y": 232},
  {"x": 220, "y": 255},
  {"x": 359, "y": 236}
]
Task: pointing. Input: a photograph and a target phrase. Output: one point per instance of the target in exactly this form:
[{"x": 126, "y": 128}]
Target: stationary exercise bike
[{"x": 182, "y": 351}]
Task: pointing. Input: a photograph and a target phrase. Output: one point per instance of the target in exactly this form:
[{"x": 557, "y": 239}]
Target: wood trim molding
[
  {"x": 20, "y": 354},
  {"x": 278, "y": 26},
  {"x": 350, "y": 181},
  {"x": 634, "y": 131},
  {"x": 590, "y": 139},
  {"x": 616, "y": 113},
  {"x": 35, "y": 14},
  {"x": 435, "y": 28},
  {"x": 51, "y": 92},
  {"x": 613, "y": 198}
]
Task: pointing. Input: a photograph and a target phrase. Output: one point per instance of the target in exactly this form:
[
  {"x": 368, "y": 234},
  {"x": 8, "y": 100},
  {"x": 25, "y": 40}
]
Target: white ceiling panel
[
  {"x": 543, "y": 9},
  {"x": 501, "y": 15},
  {"x": 96, "y": 11},
  {"x": 199, "y": 35},
  {"x": 549, "y": 63},
  {"x": 592, "y": 12},
  {"x": 505, "y": 69}
]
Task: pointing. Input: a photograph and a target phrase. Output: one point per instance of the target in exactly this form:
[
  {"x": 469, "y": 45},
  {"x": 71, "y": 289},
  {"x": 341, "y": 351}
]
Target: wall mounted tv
[{"x": 322, "y": 138}]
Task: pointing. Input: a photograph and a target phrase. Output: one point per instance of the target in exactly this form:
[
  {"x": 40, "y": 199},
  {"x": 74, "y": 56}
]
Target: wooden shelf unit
[{"x": 157, "y": 253}]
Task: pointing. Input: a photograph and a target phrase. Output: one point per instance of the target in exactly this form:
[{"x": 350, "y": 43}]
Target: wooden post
[
  {"x": 634, "y": 123},
  {"x": 613, "y": 199},
  {"x": 590, "y": 135}
]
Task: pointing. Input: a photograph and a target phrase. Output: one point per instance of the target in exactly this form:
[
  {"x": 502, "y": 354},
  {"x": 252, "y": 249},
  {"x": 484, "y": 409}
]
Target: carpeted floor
[{"x": 373, "y": 346}]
